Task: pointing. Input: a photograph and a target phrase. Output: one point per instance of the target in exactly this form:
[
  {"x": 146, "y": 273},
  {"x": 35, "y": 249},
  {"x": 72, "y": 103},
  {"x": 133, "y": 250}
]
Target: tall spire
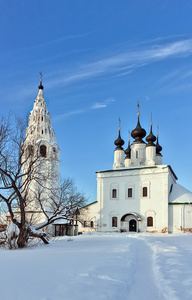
[
  {"x": 41, "y": 86},
  {"x": 138, "y": 114},
  {"x": 138, "y": 133}
]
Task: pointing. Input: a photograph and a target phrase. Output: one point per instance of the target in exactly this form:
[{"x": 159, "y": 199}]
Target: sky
[{"x": 98, "y": 58}]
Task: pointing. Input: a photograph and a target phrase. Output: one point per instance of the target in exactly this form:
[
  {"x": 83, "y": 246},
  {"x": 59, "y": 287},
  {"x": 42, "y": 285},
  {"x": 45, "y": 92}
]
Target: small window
[
  {"x": 130, "y": 193},
  {"x": 150, "y": 222},
  {"x": 42, "y": 131},
  {"x": 137, "y": 154},
  {"x": 85, "y": 223},
  {"x": 41, "y": 118},
  {"x": 92, "y": 224},
  {"x": 145, "y": 191},
  {"x": 114, "y": 222},
  {"x": 114, "y": 193},
  {"x": 43, "y": 151}
]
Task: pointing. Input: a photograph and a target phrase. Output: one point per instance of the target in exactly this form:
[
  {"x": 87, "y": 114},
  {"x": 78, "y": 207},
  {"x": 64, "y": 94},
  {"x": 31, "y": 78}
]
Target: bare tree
[{"x": 32, "y": 204}]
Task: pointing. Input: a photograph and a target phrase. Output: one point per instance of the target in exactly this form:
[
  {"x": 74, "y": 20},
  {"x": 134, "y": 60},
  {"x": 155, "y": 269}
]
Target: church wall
[
  {"x": 155, "y": 205},
  {"x": 180, "y": 218},
  {"x": 89, "y": 218}
]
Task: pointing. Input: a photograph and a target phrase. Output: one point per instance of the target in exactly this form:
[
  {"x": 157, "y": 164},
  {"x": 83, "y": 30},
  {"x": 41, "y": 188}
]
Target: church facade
[{"x": 139, "y": 194}]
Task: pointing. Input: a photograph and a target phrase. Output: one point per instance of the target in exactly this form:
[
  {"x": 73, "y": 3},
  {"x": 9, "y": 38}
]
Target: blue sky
[{"x": 98, "y": 59}]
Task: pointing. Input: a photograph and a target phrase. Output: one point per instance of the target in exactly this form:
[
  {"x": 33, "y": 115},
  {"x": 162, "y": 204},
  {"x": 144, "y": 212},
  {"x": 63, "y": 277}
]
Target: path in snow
[
  {"x": 100, "y": 267},
  {"x": 142, "y": 281}
]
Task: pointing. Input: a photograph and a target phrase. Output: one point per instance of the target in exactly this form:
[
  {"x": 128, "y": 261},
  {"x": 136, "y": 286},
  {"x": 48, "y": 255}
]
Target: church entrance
[
  {"x": 130, "y": 222},
  {"x": 132, "y": 225}
]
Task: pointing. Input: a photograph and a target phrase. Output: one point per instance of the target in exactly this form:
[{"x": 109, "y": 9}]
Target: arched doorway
[
  {"x": 133, "y": 225},
  {"x": 130, "y": 222}
]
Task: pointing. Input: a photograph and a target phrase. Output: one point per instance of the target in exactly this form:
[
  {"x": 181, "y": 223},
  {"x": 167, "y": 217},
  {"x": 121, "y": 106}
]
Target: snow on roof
[
  {"x": 179, "y": 194},
  {"x": 61, "y": 221}
]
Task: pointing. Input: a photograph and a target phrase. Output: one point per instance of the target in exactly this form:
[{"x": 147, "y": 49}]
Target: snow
[
  {"x": 180, "y": 194},
  {"x": 100, "y": 266},
  {"x": 12, "y": 230}
]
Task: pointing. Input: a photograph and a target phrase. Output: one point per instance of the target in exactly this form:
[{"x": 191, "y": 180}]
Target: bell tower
[{"x": 42, "y": 152}]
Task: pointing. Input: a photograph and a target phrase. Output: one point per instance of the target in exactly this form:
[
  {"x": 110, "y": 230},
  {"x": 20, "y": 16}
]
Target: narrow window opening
[
  {"x": 150, "y": 222},
  {"x": 41, "y": 118},
  {"x": 137, "y": 154},
  {"x": 114, "y": 193},
  {"x": 42, "y": 131},
  {"x": 145, "y": 191},
  {"x": 114, "y": 222},
  {"x": 43, "y": 151},
  {"x": 130, "y": 193},
  {"x": 92, "y": 224}
]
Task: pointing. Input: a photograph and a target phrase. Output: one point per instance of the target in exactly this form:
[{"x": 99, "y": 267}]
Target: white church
[{"x": 138, "y": 194}]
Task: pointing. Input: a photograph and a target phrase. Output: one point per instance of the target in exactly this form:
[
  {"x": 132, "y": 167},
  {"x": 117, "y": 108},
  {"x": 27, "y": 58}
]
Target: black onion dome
[
  {"x": 158, "y": 147},
  {"x": 40, "y": 87},
  {"x": 138, "y": 133},
  {"x": 128, "y": 151},
  {"x": 150, "y": 138},
  {"x": 119, "y": 142}
]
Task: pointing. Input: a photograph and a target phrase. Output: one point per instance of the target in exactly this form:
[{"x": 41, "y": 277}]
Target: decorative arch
[
  {"x": 130, "y": 222},
  {"x": 136, "y": 215}
]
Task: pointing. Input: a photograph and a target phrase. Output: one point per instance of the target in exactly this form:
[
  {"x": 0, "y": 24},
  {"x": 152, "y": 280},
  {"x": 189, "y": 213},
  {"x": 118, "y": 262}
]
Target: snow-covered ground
[{"x": 100, "y": 266}]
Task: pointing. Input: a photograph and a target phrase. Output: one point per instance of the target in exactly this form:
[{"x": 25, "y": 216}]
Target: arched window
[
  {"x": 114, "y": 193},
  {"x": 114, "y": 222},
  {"x": 145, "y": 191},
  {"x": 41, "y": 118},
  {"x": 30, "y": 150},
  {"x": 137, "y": 154},
  {"x": 149, "y": 221},
  {"x": 130, "y": 194},
  {"x": 43, "y": 150},
  {"x": 92, "y": 224}
]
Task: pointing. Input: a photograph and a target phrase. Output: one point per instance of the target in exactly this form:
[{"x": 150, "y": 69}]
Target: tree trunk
[{"x": 22, "y": 238}]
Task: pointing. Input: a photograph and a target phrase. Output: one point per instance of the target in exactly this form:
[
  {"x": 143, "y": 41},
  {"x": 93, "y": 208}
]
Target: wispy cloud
[
  {"x": 118, "y": 64},
  {"x": 103, "y": 104},
  {"x": 96, "y": 105},
  {"x": 126, "y": 61}
]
